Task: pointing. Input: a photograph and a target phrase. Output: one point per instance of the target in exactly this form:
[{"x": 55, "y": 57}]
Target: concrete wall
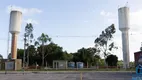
[
  {"x": 60, "y": 64},
  {"x": 17, "y": 64}
]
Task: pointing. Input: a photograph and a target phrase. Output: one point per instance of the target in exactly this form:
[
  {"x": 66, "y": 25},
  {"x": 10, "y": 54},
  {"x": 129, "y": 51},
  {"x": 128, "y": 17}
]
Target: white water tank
[
  {"x": 123, "y": 15},
  {"x": 15, "y": 21}
]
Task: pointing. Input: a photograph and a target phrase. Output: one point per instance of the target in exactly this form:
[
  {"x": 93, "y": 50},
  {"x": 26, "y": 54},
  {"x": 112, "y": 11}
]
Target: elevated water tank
[
  {"x": 79, "y": 64},
  {"x": 15, "y": 21},
  {"x": 123, "y": 16},
  {"x": 71, "y": 64}
]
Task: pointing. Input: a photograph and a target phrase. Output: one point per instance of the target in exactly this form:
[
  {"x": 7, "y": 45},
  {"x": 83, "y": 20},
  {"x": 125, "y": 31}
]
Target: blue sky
[{"x": 72, "y": 18}]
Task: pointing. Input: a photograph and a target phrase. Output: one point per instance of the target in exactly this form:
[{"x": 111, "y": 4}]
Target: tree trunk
[
  {"x": 28, "y": 57},
  {"x": 105, "y": 57},
  {"x": 42, "y": 60},
  {"x": 24, "y": 52},
  {"x": 42, "y": 55},
  {"x": 87, "y": 64},
  {"x": 28, "y": 52},
  {"x": 105, "y": 62}
]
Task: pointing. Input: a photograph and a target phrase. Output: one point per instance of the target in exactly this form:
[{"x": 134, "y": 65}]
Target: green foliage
[
  {"x": 101, "y": 62},
  {"x": 85, "y": 55},
  {"x": 120, "y": 63},
  {"x": 28, "y": 33},
  {"x": 112, "y": 60},
  {"x": 20, "y": 53},
  {"x": 103, "y": 42},
  {"x": 41, "y": 40},
  {"x": 32, "y": 55},
  {"x": 42, "y": 53},
  {"x": 1, "y": 57},
  {"x": 96, "y": 60},
  {"x": 44, "y": 38},
  {"x": 132, "y": 64},
  {"x": 54, "y": 52},
  {"x": 28, "y": 38}
]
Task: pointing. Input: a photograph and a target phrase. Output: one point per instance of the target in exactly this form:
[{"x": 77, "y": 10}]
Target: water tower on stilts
[
  {"x": 123, "y": 16},
  {"x": 14, "y": 29}
]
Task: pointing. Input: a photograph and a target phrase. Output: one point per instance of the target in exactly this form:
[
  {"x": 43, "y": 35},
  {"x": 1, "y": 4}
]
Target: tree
[
  {"x": 104, "y": 42},
  {"x": 20, "y": 53},
  {"x": 28, "y": 38},
  {"x": 112, "y": 60},
  {"x": 85, "y": 55},
  {"x": 1, "y": 57},
  {"x": 96, "y": 60},
  {"x": 9, "y": 56},
  {"x": 120, "y": 63},
  {"x": 44, "y": 38},
  {"x": 101, "y": 62},
  {"x": 32, "y": 53},
  {"x": 54, "y": 52},
  {"x": 67, "y": 56}
]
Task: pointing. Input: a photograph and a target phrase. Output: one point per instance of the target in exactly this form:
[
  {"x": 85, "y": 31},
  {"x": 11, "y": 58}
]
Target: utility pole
[
  {"x": 8, "y": 45},
  {"x": 8, "y": 39}
]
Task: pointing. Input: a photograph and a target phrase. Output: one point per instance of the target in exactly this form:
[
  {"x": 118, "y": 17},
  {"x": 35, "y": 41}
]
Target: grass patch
[
  {"x": 85, "y": 69},
  {"x": 80, "y": 70}
]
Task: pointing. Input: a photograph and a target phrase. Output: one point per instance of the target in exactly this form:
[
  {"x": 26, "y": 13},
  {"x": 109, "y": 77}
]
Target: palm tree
[{"x": 44, "y": 38}]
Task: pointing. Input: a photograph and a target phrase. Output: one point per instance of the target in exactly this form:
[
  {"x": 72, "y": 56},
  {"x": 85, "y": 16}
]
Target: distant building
[
  {"x": 138, "y": 58},
  {"x": 60, "y": 64},
  {"x": 12, "y": 64}
]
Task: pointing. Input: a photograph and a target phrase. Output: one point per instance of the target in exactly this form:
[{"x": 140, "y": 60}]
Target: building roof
[
  {"x": 138, "y": 52},
  {"x": 59, "y": 60}
]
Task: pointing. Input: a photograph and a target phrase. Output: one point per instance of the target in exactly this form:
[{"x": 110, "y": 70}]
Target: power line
[
  {"x": 69, "y": 36},
  {"x": 80, "y": 36},
  {"x": 58, "y": 36}
]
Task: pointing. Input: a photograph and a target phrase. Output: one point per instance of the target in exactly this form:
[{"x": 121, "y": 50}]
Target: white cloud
[
  {"x": 109, "y": 17},
  {"x": 136, "y": 17},
  {"x": 136, "y": 21},
  {"x": 25, "y": 11},
  {"x": 106, "y": 14},
  {"x": 31, "y": 21}
]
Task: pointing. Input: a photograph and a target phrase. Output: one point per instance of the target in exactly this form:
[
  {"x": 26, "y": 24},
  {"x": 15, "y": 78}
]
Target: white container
[
  {"x": 15, "y": 21},
  {"x": 123, "y": 15}
]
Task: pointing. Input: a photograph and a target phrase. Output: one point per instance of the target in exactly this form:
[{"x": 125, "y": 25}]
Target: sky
[{"x": 69, "y": 18}]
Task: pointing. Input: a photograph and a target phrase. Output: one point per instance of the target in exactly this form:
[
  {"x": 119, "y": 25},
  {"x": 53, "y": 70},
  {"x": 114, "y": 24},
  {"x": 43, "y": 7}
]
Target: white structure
[
  {"x": 123, "y": 15},
  {"x": 14, "y": 29}
]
